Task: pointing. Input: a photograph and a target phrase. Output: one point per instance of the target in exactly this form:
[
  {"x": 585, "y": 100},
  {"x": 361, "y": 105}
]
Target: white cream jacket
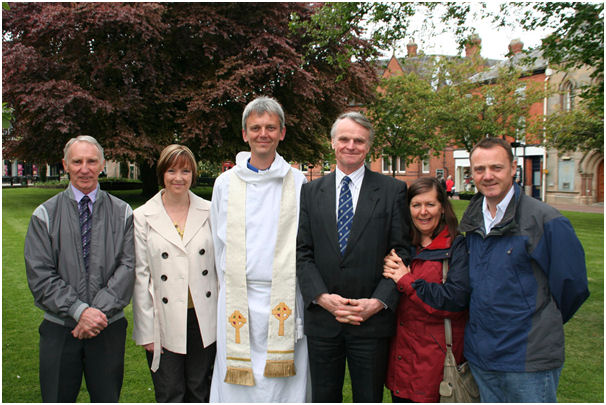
[{"x": 165, "y": 266}]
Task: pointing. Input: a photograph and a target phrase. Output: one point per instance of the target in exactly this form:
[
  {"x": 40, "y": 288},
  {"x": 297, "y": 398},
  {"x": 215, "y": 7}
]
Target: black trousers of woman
[
  {"x": 395, "y": 399},
  {"x": 185, "y": 377}
]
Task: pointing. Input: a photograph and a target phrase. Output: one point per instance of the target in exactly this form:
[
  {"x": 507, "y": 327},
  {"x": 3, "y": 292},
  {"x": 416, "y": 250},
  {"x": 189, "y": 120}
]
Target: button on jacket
[{"x": 165, "y": 266}]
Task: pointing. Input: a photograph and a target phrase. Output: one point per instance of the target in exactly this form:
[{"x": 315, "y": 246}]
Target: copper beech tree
[{"x": 139, "y": 76}]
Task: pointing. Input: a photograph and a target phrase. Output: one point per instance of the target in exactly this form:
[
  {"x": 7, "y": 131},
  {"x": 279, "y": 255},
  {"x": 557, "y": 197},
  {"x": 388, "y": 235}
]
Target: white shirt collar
[
  {"x": 355, "y": 185},
  {"x": 489, "y": 221},
  {"x": 356, "y": 177}
]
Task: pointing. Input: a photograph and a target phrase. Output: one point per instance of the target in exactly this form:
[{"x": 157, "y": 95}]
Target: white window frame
[
  {"x": 426, "y": 162},
  {"x": 389, "y": 167},
  {"x": 401, "y": 165},
  {"x": 568, "y": 96}
]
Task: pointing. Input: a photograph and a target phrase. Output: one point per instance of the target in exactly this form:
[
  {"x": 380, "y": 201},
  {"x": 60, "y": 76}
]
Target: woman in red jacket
[{"x": 417, "y": 351}]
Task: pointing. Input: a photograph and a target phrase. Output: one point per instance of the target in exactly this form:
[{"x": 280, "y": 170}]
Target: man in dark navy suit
[{"x": 349, "y": 220}]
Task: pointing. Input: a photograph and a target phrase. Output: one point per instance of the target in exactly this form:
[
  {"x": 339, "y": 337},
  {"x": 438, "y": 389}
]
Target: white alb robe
[{"x": 263, "y": 196}]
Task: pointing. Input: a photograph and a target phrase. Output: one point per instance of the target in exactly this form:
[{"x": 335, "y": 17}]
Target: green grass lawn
[{"x": 582, "y": 378}]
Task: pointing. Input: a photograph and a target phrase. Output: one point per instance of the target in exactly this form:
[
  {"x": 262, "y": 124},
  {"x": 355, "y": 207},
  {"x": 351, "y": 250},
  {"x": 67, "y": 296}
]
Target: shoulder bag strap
[{"x": 447, "y": 327}]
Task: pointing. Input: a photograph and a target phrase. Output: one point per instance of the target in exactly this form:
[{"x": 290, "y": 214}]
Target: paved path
[{"x": 596, "y": 208}]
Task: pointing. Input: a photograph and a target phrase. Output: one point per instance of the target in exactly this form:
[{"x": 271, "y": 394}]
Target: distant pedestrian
[{"x": 450, "y": 186}]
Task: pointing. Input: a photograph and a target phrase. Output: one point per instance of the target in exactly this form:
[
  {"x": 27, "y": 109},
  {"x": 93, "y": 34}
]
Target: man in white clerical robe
[{"x": 261, "y": 349}]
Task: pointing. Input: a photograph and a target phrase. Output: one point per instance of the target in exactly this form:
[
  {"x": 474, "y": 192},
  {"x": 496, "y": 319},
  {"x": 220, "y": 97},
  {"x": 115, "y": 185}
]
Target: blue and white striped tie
[{"x": 345, "y": 217}]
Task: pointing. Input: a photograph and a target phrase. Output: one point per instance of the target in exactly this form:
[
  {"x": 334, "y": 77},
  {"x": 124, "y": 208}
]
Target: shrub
[
  {"x": 106, "y": 183},
  {"x": 466, "y": 195}
]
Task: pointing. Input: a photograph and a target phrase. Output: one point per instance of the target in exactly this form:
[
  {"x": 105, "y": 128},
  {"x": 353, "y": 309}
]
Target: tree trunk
[
  {"x": 393, "y": 166},
  {"x": 149, "y": 179},
  {"x": 123, "y": 165},
  {"x": 42, "y": 171}
]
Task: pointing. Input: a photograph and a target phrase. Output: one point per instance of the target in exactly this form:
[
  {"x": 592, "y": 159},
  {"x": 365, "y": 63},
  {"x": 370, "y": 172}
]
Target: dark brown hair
[
  {"x": 489, "y": 143},
  {"x": 449, "y": 219},
  {"x": 176, "y": 156}
]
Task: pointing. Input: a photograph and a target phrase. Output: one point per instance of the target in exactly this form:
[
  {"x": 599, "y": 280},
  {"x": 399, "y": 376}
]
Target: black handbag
[{"x": 458, "y": 384}]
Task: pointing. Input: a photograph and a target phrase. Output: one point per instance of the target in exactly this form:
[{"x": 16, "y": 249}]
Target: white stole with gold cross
[{"x": 281, "y": 329}]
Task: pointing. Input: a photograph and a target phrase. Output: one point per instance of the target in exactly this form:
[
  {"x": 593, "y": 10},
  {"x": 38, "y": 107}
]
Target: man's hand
[
  {"x": 339, "y": 307},
  {"x": 349, "y": 314},
  {"x": 91, "y": 323},
  {"x": 331, "y": 302},
  {"x": 365, "y": 308},
  {"x": 346, "y": 310}
]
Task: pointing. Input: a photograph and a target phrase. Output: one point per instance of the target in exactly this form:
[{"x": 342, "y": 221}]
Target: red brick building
[
  {"x": 437, "y": 166},
  {"x": 574, "y": 178}
]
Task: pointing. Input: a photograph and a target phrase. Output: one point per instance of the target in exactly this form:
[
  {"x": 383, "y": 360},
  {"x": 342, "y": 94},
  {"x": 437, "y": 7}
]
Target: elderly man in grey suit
[
  {"x": 349, "y": 220},
  {"x": 79, "y": 258}
]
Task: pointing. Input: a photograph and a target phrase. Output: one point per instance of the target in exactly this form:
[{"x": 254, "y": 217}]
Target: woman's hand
[
  {"x": 149, "y": 347},
  {"x": 394, "y": 267}
]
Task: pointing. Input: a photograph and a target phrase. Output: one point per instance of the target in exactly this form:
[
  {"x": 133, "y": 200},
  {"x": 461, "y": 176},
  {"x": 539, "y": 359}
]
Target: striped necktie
[
  {"x": 345, "y": 217},
  {"x": 86, "y": 222}
]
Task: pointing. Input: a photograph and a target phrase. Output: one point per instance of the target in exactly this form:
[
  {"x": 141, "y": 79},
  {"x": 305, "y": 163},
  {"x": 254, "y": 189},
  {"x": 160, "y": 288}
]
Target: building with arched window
[{"x": 572, "y": 177}]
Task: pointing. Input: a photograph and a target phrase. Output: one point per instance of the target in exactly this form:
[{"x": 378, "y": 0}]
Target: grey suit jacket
[{"x": 381, "y": 222}]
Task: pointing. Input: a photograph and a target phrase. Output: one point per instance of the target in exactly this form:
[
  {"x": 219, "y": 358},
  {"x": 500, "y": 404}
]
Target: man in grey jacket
[{"x": 79, "y": 258}]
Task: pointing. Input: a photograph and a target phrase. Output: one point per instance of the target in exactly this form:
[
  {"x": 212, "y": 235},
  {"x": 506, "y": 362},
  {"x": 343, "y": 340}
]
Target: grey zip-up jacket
[{"x": 55, "y": 267}]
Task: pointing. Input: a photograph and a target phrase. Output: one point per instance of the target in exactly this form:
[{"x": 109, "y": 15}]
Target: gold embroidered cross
[
  {"x": 237, "y": 320},
  {"x": 281, "y": 312}
]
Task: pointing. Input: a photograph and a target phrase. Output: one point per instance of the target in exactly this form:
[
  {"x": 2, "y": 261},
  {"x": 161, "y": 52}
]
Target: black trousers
[
  {"x": 395, "y": 399},
  {"x": 366, "y": 361},
  {"x": 63, "y": 359},
  {"x": 185, "y": 377}
]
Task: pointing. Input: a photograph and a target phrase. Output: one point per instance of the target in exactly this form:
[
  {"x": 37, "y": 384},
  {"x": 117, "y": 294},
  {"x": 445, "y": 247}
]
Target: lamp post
[{"x": 515, "y": 145}]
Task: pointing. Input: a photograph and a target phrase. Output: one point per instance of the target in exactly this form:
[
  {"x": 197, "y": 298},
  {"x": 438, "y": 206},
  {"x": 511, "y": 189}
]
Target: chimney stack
[
  {"x": 473, "y": 46},
  {"x": 412, "y": 49},
  {"x": 515, "y": 46}
]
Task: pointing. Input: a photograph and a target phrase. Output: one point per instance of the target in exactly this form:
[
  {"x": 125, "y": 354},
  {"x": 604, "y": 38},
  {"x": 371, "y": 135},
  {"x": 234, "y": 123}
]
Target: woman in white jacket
[{"x": 175, "y": 295}]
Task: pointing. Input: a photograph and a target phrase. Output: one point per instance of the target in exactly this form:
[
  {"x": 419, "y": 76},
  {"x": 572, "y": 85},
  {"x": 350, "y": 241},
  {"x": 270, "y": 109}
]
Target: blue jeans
[{"x": 503, "y": 386}]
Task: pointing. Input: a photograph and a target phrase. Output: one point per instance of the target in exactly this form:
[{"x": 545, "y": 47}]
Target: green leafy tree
[
  {"x": 470, "y": 110},
  {"x": 7, "y": 116},
  {"x": 346, "y": 22},
  {"x": 577, "y": 38},
  {"x": 403, "y": 118},
  {"x": 579, "y": 129}
]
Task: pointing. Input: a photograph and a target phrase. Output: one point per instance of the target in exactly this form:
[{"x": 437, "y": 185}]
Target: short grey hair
[
  {"x": 359, "y": 119},
  {"x": 82, "y": 138},
  {"x": 263, "y": 105}
]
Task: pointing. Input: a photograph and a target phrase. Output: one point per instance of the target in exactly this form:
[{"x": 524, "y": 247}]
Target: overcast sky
[{"x": 495, "y": 42}]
